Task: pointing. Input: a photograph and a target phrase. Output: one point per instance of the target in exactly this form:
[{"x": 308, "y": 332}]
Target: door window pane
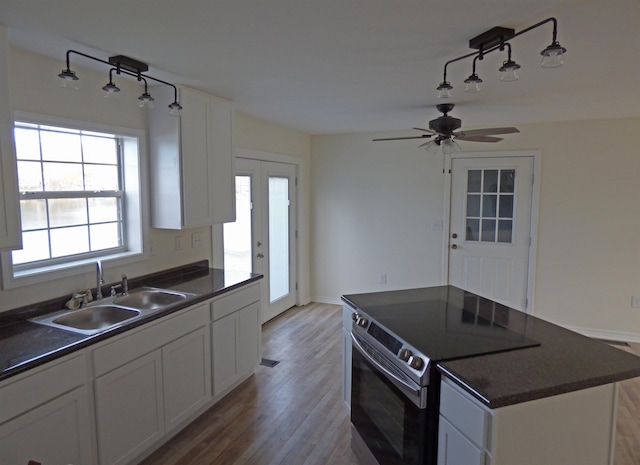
[
  {"x": 237, "y": 235},
  {"x": 490, "y": 195},
  {"x": 278, "y": 237}
]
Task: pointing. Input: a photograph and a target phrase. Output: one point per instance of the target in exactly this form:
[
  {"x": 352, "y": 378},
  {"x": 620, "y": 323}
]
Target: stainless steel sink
[
  {"x": 114, "y": 311},
  {"x": 89, "y": 320},
  {"x": 149, "y": 298}
]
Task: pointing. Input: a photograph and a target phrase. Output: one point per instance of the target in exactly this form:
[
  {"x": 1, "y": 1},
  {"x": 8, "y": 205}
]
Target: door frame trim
[{"x": 535, "y": 201}]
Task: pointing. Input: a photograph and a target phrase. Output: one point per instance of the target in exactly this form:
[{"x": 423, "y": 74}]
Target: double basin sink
[{"x": 108, "y": 313}]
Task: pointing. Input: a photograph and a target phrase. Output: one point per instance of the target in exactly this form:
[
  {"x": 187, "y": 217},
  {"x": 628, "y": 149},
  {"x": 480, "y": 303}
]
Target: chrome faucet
[
  {"x": 99, "y": 279},
  {"x": 125, "y": 285}
]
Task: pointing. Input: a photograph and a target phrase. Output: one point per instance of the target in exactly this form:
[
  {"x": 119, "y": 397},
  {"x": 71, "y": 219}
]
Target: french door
[
  {"x": 490, "y": 227},
  {"x": 263, "y": 237}
]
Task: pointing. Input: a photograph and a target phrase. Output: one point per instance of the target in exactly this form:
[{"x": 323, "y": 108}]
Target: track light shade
[
  {"x": 444, "y": 89},
  {"x": 553, "y": 56},
  {"x": 509, "y": 71}
]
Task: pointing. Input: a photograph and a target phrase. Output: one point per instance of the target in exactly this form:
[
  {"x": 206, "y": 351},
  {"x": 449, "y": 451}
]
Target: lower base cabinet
[
  {"x": 573, "y": 428},
  {"x": 45, "y": 415},
  {"x": 57, "y": 432},
  {"x": 236, "y": 346},
  {"x": 150, "y": 395},
  {"x": 115, "y": 402},
  {"x": 129, "y": 409}
]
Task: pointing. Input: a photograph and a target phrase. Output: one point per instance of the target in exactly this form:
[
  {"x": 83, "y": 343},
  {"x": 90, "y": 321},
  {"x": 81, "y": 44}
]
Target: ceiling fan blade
[
  {"x": 489, "y": 131},
  {"x": 429, "y": 131},
  {"x": 472, "y": 138},
  {"x": 431, "y": 142},
  {"x": 403, "y": 138}
]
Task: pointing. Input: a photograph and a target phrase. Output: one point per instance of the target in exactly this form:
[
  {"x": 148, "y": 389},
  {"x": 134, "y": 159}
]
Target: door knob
[
  {"x": 260, "y": 255},
  {"x": 454, "y": 235},
  {"x": 454, "y": 246}
]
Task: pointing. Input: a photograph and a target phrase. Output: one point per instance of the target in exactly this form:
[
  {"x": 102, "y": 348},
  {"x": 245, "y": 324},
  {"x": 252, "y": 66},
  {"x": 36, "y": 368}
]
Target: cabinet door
[
  {"x": 10, "y": 236},
  {"x": 57, "y": 432},
  {"x": 129, "y": 409},
  {"x": 196, "y": 209},
  {"x": 454, "y": 448},
  {"x": 186, "y": 374},
  {"x": 248, "y": 350},
  {"x": 223, "y": 190},
  {"x": 224, "y": 342}
]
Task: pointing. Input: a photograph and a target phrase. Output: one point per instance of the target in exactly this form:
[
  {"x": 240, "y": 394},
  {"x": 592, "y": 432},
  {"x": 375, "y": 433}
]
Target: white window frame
[{"x": 136, "y": 216}]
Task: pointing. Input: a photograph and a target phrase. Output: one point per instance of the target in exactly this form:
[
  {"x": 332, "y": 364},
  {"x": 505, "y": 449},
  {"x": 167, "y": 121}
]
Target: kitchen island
[{"x": 552, "y": 402}]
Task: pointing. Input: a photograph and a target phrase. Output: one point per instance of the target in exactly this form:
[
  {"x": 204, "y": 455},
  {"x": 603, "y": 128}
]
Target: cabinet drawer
[
  {"x": 134, "y": 345},
  {"x": 16, "y": 397},
  {"x": 233, "y": 301},
  {"x": 463, "y": 412}
]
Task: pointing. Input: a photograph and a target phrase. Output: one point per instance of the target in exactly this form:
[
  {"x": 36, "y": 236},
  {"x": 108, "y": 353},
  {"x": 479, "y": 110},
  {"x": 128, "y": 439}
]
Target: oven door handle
[{"x": 415, "y": 393}]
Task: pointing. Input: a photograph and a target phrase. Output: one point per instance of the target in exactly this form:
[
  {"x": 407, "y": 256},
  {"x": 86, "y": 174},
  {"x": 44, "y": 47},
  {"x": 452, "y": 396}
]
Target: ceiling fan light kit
[
  {"x": 122, "y": 65},
  {"x": 498, "y": 38}
]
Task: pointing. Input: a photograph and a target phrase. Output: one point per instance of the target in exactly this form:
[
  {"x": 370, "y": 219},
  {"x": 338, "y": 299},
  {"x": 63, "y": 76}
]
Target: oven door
[{"x": 388, "y": 410}]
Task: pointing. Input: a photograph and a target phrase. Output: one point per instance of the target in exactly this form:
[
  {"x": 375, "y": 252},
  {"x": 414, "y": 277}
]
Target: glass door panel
[
  {"x": 237, "y": 235},
  {"x": 278, "y": 237}
]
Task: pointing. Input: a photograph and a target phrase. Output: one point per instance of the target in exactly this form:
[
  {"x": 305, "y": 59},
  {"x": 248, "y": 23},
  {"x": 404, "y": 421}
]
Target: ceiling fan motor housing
[{"x": 445, "y": 124}]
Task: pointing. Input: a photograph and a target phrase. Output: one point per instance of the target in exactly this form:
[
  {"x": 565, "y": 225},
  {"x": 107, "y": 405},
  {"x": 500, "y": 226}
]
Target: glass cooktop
[{"x": 443, "y": 330}]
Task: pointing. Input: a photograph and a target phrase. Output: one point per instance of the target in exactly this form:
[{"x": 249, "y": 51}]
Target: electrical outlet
[
  {"x": 196, "y": 240},
  {"x": 178, "y": 242},
  {"x": 383, "y": 278},
  {"x": 635, "y": 301}
]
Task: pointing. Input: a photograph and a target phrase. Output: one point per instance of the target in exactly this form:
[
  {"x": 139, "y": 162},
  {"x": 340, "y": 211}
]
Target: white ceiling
[{"x": 336, "y": 66}]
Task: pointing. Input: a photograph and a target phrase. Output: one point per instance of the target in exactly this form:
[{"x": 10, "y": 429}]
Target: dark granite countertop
[
  {"x": 564, "y": 361},
  {"x": 25, "y": 345}
]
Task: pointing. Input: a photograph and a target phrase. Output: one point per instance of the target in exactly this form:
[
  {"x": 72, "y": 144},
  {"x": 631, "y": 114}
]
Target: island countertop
[
  {"x": 564, "y": 361},
  {"x": 25, "y": 345}
]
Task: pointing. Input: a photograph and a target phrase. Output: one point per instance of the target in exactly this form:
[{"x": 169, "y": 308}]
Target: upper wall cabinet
[
  {"x": 191, "y": 161},
  {"x": 10, "y": 237}
]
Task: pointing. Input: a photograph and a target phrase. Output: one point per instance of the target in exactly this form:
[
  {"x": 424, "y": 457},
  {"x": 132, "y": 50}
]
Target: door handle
[{"x": 454, "y": 246}]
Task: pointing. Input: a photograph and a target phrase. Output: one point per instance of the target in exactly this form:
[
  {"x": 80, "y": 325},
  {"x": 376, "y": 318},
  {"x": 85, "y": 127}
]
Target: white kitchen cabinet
[
  {"x": 10, "y": 237},
  {"x": 575, "y": 427},
  {"x": 235, "y": 336},
  {"x": 149, "y": 382},
  {"x": 191, "y": 161},
  {"x": 129, "y": 409},
  {"x": 186, "y": 375},
  {"x": 45, "y": 415},
  {"x": 347, "y": 318}
]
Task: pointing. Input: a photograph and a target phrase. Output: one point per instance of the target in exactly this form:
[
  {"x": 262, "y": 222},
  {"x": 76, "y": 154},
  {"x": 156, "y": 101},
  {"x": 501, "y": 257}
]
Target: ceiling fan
[{"x": 443, "y": 128}]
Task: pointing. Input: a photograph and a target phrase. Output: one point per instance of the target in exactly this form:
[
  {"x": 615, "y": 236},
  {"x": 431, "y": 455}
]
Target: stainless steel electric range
[{"x": 397, "y": 338}]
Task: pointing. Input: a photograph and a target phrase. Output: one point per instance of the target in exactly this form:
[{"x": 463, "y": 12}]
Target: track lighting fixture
[
  {"x": 123, "y": 65},
  {"x": 472, "y": 83},
  {"x": 498, "y": 38},
  {"x": 509, "y": 68}
]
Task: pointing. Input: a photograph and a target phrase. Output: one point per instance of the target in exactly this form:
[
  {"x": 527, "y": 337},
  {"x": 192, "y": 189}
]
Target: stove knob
[
  {"x": 405, "y": 354},
  {"x": 362, "y": 321},
  {"x": 415, "y": 362},
  {"x": 355, "y": 316}
]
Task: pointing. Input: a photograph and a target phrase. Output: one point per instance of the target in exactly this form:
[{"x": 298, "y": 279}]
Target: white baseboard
[
  {"x": 327, "y": 300},
  {"x": 606, "y": 334}
]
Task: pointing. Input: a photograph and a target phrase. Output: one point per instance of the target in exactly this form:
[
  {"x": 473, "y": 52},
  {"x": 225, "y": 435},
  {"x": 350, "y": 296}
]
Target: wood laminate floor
[{"x": 293, "y": 413}]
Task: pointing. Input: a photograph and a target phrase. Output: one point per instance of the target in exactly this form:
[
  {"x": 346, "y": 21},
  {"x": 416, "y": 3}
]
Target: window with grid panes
[{"x": 71, "y": 194}]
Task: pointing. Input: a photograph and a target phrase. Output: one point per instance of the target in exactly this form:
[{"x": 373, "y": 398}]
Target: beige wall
[
  {"x": 374, "y": 207},
  {"x": 34, "y": 87}
]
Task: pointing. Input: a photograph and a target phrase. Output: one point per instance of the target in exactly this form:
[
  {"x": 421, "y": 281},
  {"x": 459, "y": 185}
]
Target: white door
[
  {"x": 262, "y": 239},
  {"x": 490, "y": 227}
]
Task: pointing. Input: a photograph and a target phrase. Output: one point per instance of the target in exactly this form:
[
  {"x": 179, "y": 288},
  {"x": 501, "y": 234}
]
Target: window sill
[{"x": 11, "y": 280}]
